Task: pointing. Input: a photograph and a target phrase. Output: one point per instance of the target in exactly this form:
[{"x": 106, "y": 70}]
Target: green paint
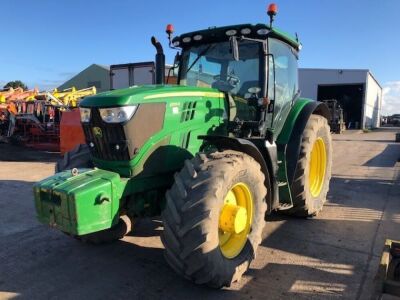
[
  {"x": 284, "y": 136},
  {"x": 145, "y": 94},
  {"x": 69, "y": 202},
  {"x": 180, "y": 123},
  {"x": 81, "y": 204},
  {"x": 92, "y": 200},
  {"x": 285, "y": 196}
]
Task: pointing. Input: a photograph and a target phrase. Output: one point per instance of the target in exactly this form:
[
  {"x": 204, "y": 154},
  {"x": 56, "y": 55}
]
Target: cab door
[{"x": 282, "y": 81}]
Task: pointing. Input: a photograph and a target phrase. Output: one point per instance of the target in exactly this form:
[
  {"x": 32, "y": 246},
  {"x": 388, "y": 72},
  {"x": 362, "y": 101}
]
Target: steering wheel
[{"x": 230, "y": 79}]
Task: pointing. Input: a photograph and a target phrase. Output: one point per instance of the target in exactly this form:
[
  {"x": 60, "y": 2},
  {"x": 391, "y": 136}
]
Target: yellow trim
[
  {"x": 185, "y": 94},
  {"x": 317, "y": 167},
  {"x": 235, "y": 220}
]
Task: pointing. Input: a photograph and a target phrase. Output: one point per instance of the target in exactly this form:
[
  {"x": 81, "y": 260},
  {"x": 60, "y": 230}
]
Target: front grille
[
  {"x": 188, "y": 111},
  {"x": 106, "y": 141}
]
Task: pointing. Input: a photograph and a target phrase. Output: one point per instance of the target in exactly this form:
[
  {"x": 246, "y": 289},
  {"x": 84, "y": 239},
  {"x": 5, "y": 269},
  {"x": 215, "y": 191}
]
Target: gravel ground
[{"x": 334, "y": 255}]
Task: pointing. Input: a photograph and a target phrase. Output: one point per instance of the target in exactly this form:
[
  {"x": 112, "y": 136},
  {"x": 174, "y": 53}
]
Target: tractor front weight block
[{"x": 80, "y": 201}]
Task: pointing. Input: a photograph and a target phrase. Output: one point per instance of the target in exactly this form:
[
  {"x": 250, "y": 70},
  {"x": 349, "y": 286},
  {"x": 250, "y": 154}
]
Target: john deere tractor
[{"x": 230, "y": 143}]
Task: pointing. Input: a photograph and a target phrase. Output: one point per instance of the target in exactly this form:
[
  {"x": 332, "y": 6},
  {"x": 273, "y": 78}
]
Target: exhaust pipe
[{"x": 160, "y": 61}]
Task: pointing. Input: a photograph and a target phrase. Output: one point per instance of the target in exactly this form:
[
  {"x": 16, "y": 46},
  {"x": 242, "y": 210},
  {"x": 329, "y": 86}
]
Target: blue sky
[{"x": 45, "y": 42}]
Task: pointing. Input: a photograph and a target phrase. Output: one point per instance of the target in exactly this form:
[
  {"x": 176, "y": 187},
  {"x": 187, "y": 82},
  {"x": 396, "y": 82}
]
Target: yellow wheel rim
[
  {"x": 317, "y": 167},
  {"x": 235, "y": 220}
]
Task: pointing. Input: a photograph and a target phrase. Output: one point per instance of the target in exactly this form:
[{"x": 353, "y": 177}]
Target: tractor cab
[{"x": 254, "y": 65}]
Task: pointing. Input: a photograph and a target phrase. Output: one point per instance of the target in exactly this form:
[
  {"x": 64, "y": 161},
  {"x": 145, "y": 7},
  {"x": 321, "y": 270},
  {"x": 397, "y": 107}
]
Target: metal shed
[
  {"x": 357, "y": 91},
  {"x": 94, "y": 75}
]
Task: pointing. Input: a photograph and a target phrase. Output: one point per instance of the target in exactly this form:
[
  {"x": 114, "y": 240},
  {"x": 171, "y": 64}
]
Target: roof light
[
  {"x": 186, "y": 39},
  {"x": 272, "y": 9},
  {"x": 231, "y": 32},
  {"x": 263, "y": 31},
  {"x": 245, "y": 30},
  {"x": 197, "y": 37},
  {"x": 169, "y": 29}
]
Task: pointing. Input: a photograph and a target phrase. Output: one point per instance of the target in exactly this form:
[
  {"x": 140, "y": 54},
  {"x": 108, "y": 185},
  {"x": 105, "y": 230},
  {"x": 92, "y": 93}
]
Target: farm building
[
  {"x": 357, "y": 91},
  {"x": 94, "y": 75}
]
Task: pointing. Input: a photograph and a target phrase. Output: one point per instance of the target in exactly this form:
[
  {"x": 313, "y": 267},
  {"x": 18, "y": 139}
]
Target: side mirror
[
  {"x": 234, "y": 47},
  {"x": 174, "y": 68},
  {"x": 177, "y": 61}
]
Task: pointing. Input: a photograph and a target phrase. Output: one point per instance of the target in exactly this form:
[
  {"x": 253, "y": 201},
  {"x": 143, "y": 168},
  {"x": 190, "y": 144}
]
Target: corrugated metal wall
[
  {"x": 309, "y": 79},
  {"x": 93, "y": 75},
  {"x": 373, "y": 103}
]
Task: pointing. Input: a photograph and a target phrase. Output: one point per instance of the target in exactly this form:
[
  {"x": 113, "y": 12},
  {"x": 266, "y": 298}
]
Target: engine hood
[{"x": 147, "y": 93}]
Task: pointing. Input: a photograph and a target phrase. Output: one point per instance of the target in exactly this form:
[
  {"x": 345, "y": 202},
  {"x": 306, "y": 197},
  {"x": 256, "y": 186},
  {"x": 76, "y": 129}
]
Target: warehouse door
[{"x": 350, "y": 98}]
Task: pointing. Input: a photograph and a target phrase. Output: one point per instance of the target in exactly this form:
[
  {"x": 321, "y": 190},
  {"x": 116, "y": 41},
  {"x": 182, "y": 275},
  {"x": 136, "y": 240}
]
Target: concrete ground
[{"x": 334, "y": 255}]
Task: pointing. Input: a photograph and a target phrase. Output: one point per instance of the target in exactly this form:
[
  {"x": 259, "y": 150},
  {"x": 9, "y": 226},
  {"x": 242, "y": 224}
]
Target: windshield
[{"x": 212, "y": 65}]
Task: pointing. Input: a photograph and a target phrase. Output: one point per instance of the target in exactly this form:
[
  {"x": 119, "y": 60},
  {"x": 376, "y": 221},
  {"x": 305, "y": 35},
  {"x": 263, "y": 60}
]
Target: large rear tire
[
  {"x": 214, "y": 217},
  {"x": 80, "y": 157},
  {"x": 313, "y": 171}
]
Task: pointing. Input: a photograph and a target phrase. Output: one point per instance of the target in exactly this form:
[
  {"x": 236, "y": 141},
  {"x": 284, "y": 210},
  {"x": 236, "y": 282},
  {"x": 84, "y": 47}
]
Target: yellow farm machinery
[{"x": 34, "y": 119}]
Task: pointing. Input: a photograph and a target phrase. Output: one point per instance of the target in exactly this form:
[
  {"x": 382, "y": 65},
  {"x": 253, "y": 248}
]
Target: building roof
[
  {"x": 346, "y": 70},
  {"x": 331, "y": 69},
  {"x": 106, "y": 67},
  {"x": 92, "y": 69}
]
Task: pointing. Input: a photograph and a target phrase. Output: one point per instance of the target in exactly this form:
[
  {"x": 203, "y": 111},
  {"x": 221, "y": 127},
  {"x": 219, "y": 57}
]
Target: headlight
[
  {"x": 85, "y": 114},
  {"x": 117, "y": 114}
]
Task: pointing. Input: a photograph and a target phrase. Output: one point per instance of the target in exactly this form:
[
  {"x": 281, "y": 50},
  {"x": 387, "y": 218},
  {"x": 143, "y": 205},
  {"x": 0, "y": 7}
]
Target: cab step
[{"x": 285, "y": 206}]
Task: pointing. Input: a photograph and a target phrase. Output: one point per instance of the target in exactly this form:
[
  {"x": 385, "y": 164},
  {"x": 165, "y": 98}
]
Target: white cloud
[{"x": 391, "y": 98}]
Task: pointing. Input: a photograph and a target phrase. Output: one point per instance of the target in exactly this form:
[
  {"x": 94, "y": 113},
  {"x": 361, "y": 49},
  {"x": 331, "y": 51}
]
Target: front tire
[
  {"x": 313, "y": 171},
  {"x": 214, "y": 217},
  {"x": 79, "y": 157},
  {"x": 117, "y": 232}
]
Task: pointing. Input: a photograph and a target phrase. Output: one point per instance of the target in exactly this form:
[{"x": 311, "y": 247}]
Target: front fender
[{"x": 262, "y": 151}]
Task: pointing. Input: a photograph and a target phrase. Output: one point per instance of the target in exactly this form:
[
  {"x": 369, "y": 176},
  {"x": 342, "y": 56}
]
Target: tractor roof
[{"x": 213, "y": 34}]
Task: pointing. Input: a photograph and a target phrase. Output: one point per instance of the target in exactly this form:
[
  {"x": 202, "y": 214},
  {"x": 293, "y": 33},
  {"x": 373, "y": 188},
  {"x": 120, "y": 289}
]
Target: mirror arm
[
  {"x": 234, "y": 47},
  {"x": 176, "y": 64},
  {"x": 250, "y": 39},
  {"x": 242, "y": 38}
]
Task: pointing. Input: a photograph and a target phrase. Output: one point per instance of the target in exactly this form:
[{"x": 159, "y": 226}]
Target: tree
[{"x": 16, "y": 83}]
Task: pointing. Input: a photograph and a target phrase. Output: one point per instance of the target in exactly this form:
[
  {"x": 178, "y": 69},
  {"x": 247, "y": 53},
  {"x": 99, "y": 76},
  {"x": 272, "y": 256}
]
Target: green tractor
[{"x": 230, "y": 143}]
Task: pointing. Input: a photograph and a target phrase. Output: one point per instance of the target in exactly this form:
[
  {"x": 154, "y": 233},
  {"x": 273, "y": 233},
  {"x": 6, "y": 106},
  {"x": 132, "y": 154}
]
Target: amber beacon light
[{"x": 272, "y": 11}]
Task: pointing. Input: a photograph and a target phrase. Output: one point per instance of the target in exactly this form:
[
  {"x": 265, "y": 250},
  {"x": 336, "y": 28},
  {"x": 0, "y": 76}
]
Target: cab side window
[{"x": 286, "y": 80}]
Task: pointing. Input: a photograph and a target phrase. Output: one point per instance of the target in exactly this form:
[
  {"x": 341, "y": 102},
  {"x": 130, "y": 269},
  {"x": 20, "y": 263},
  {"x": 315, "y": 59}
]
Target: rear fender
[{"x": 289, "y": 139}]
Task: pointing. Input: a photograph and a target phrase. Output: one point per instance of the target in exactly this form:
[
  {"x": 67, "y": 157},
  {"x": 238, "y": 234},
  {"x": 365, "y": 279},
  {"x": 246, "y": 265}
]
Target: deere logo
[{"x": 97, "y": 132}]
